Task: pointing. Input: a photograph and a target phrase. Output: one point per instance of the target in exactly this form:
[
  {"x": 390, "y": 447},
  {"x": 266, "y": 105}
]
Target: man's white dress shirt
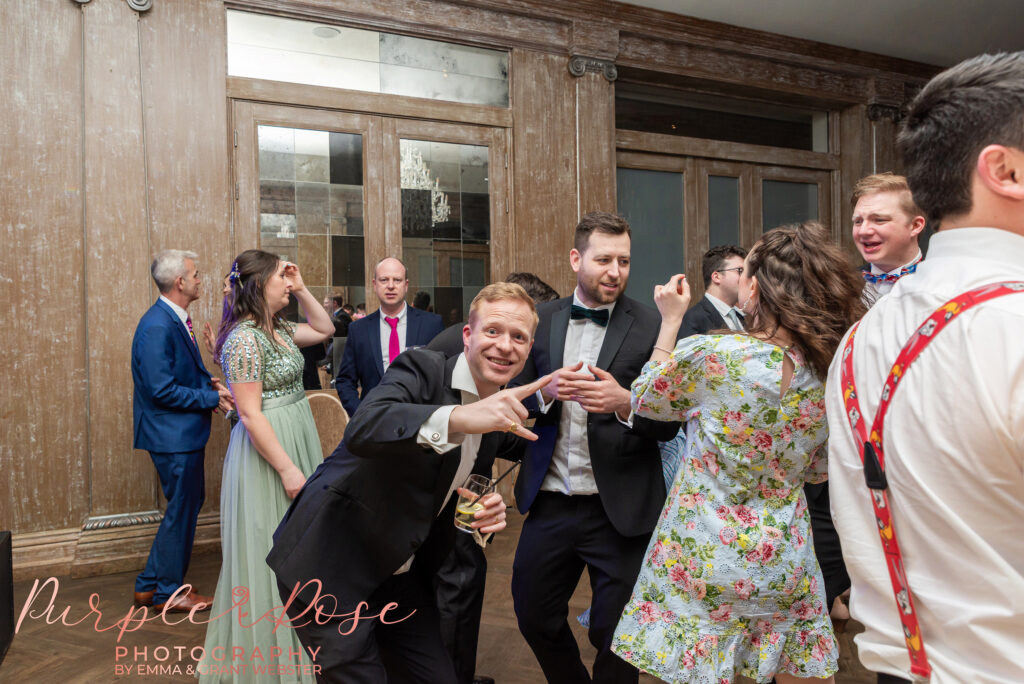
[
  {"x": 181, "y": 313},
  {"x": 954, "y": 444},
  {"x": 385, "y": 334},
  {"x": 570, "y": 471}
]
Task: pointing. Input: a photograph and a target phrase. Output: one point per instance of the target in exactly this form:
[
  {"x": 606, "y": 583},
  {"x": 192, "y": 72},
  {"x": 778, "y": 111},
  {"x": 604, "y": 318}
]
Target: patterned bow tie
[
  {"x": 890, "y": 277},
  {"x": 599, "y": 316}
]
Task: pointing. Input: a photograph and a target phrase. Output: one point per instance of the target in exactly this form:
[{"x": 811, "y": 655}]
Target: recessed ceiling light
[{"x": 326, "y": 32}]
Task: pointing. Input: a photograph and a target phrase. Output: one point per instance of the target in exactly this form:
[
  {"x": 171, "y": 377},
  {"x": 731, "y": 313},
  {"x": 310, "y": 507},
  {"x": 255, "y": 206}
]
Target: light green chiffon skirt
[{"x": 252, "y": 503}]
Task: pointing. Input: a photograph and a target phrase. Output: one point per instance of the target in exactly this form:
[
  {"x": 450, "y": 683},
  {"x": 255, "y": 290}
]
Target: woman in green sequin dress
[{"x": 273, "y": 449}]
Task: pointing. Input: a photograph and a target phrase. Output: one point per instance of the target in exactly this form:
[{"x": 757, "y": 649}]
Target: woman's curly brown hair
[{"x": 807, "y": 287}]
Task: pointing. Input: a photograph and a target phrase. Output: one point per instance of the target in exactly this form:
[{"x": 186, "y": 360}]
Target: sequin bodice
[{"x": 248, "y": 355}]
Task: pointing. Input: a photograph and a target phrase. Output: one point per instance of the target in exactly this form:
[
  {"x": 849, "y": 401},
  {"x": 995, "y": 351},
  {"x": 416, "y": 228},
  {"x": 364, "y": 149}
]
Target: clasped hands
[
  {"x": 596, "y": 391},
  {"x": 227, "y": 402}
]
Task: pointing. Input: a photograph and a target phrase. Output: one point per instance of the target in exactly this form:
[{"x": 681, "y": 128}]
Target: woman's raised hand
[
  {"x": 673, "y": 298},
  {"x": 292, "y": 275}
]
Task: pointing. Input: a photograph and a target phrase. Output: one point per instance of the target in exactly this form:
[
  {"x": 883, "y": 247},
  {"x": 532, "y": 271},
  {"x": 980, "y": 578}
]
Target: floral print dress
[{"x": 730, "y": 585}]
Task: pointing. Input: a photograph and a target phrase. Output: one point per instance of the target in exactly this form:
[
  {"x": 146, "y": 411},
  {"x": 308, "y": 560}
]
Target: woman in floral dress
[
  {"x": 730, "y": 585},
  {"x": 273, "y": 449}
]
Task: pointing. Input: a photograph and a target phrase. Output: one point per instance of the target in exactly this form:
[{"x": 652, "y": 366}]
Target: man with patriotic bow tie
[
  {"x": 886, "y": 223},
  {"x": 592, "y": 482}
]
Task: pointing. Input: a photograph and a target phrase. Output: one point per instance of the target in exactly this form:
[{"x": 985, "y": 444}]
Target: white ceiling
[{"x": 940, "y": 32}]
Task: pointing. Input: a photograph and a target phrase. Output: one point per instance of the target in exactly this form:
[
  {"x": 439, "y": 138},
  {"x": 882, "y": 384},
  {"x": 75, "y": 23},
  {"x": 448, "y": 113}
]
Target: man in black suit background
[
  {"x": 716, "y": 310},
  {"x": 592, "y": 482},
  {"x": 374, "y": 341},
  {"x": 375, "y": 521}
]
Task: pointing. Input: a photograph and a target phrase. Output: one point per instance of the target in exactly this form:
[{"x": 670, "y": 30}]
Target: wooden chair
[{"x": 330, "y": 418}]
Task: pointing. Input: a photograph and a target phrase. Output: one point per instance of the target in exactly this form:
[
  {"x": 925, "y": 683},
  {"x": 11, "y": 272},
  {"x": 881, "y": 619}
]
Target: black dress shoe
[{"x": 482, "y": 679}]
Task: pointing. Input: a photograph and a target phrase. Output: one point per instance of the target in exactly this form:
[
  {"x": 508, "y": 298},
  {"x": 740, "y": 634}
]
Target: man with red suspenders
[{"x": 929, "y": 512}]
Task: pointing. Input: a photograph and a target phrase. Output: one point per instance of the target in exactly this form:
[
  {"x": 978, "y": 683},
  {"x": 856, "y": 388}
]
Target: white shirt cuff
[
  {"x": 540, "y": 402},
  {"x": 434, "y": 431},
  {"x": 629, "y": 419}
]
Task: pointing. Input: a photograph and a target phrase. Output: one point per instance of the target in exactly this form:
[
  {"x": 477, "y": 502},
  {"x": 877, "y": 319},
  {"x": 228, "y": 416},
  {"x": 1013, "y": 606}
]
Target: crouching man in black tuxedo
[{"x": 376, "y": 520}]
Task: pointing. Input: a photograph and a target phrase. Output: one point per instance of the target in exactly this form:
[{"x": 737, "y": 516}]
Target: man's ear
[
  {"x": 575, "y": 257},
  {"x": 917, "y": 225},
  {"x": 1001, "y": 170}
]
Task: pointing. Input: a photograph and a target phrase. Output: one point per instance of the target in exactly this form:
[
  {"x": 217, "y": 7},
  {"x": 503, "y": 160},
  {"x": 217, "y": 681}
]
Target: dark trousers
[
  {"x": 375, "y": 653},
  {"x": 826, "y": 542},
  {"x": 460, "y": 600},
  {"x": 184, "y": 485},
  {"x": 561, "y": 536}
]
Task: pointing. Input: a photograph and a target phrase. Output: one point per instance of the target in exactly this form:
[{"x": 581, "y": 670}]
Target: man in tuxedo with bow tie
[
  {"x": 592, "y": 482},
  {"x": 174, "y": 397},
  {"x": 721, "y": 267},
  {"x": 886, "y": 223}
]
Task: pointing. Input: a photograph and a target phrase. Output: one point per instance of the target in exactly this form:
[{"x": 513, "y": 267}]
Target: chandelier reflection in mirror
[{"x": 416, "y": 176}]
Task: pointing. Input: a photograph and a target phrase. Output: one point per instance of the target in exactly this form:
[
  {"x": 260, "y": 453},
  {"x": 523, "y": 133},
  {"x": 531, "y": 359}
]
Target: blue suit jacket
[
  {"x": 362, "y": 364},
  {"x": 173, "y": 398}
]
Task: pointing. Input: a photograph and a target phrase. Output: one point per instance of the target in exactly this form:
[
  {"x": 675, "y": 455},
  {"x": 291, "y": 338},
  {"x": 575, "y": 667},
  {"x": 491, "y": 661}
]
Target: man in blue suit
[
  {"x": 375, "y": 341},
  {"x": 174, "y": 395}
]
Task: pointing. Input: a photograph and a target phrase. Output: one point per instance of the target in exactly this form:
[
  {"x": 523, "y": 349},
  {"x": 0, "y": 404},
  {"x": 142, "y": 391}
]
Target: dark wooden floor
[{"x": 46, "y": 653}]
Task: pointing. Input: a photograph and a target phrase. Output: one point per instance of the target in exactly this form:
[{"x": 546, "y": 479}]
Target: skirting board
[{"x": 102, "y": 546}]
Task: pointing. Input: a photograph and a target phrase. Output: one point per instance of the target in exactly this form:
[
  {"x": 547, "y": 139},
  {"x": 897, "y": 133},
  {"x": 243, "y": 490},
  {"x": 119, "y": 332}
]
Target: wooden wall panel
[
  {"x": 544, "y": 174},
  {"x": 750, "y": 71},
  {"x": 117, "y": 282},
  {"x": 43, "y": 419},
  {"x": 595, "y": 101},
  {"x": 884, "y": 138},
  {"x": 856, "y": 161},
  {"x": 184, "y": 48}
]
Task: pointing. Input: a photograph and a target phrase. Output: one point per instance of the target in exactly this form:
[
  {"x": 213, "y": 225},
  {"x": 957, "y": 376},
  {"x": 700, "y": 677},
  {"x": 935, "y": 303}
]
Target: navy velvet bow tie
[{"x": 599, "y": 316}]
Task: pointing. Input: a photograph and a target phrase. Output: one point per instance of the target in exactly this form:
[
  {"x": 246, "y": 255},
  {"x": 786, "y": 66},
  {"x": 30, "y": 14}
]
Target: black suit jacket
[
  {"x": 341, "y": 321},
  {"x": 701, "y": 318},
  {"x": 449, "y": 341},
  {"x": 374, "y": 502},
  {"x": 362, "y": 365},
  {"x": 626, "y": 461}
]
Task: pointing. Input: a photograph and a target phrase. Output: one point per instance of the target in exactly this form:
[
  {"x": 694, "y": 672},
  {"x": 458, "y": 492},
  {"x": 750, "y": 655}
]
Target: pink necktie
[
  {"x": 188, "y": 324},
  {"x": 393, "y": 347}
]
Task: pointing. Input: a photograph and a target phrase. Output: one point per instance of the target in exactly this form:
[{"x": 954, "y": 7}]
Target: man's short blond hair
[
  {"x": 886, "y": 182},
  {"x": 496, "y": 292}
]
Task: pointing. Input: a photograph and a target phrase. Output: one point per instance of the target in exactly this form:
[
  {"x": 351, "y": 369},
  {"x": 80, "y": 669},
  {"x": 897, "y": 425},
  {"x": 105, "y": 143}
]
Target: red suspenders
[{"x": 873, "y": 454}]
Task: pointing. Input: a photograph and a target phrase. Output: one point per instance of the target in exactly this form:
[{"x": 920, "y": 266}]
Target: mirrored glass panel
[
  {"x": 652, "y": 202},
  {"x": 723, "y": 210},
  {"x": 312, "y": 53},
  {"x": 311, "y": 206},
  {"x": 785, "y": 202},
  {"x": 446, "y": 223}
]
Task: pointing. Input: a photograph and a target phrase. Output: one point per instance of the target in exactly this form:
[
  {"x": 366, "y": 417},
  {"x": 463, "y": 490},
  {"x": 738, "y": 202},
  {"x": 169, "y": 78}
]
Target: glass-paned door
[
  {"x": 450, "y": 210},
  {"x": 446, "y": 223},
  {"x": 679, "y": 207},
  {"x": 654, "y": 204},
  {"x": 336, "y": 192}
]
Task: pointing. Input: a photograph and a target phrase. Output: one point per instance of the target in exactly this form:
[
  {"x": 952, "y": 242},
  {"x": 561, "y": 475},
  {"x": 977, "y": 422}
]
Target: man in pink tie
[{"x": 375, "y": 341}]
